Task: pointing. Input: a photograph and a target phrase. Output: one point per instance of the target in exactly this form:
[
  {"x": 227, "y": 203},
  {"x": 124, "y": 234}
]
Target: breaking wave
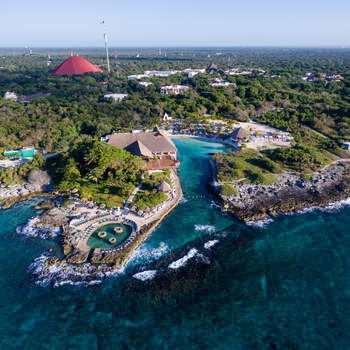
[
  {"x": 206, "y": 228},
  {"x": 260, "y": 223},
  {"x": 182, "y": 262},
  {"x": 31, "y": 229},
  {"x": 210, "y": 244},
  {"x": 62, "y": 273},
  {"x": 146, "y": 254},
  {"x": 145, "y": 275},
  {"x": 330, "y": 208}
]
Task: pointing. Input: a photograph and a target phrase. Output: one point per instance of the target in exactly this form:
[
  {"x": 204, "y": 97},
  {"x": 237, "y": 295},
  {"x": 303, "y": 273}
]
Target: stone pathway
[{"x": 133, "y": 194}]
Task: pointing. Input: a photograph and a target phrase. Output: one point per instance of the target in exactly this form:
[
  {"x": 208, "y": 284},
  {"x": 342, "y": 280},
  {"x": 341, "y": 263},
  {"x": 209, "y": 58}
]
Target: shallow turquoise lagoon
[{"x": 288, "y": 288}]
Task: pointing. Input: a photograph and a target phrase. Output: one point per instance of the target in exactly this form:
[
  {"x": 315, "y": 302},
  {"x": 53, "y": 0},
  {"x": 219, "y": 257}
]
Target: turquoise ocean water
[{"x": 287, "y": 288}]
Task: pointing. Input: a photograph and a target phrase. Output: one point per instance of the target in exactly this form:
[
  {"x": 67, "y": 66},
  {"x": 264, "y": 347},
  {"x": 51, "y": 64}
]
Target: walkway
[{"x": 133, "y": 194}]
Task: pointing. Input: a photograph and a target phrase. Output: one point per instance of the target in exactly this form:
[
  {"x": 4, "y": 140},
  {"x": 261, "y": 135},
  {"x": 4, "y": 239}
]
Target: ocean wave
[
  {"x": 145, "y": 275},
  {"x": 31, "y": 229},
  {"x": 145, "y": 253},
  {"x": 206, "y": 228},
  {"x": 260, "y": 223},
  {"x": 210, "y": 244},
  {"x": 337, "y": 205},
  {"x": 182, "y": 262},
  {"x": 62, "y": 273},
  {"x": 330, "y": 208}
]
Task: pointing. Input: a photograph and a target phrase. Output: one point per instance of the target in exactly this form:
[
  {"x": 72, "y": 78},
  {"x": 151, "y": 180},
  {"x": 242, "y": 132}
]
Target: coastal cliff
[{"x": 289, "y": 194}]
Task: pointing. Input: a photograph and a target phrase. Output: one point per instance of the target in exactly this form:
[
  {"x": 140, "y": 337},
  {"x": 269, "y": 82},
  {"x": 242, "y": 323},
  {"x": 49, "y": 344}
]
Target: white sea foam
[
  {"x": 206, "y": 228},
  {"x": 210, "y": 244},
  {"x": 183, "y": 200},
  {"x": 181, "y": 262},
  {"x": 330, "y": 208},
  {"x": 64, "y": 273},
  {"x": 145, "y": 253},
  {"x": 260, "y": 223},
  {"x": 31, "y": 230},
  {"x": 145, "y": 275}
]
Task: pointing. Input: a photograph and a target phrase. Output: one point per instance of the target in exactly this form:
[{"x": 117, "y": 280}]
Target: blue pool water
[{"x": 288, "y": 287}]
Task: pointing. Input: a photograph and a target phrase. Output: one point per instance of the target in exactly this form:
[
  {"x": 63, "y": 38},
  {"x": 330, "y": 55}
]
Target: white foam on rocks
[
  {"x": 182, "y": 262},
  {"x": 210, "y": 244},
  {"x": 260, "y": 223},
  {"x": 145, "y": 275}
]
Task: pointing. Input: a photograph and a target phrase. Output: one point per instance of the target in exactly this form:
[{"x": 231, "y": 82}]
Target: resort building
[
  {"x": 155, "y": 148},
  {"x": 10, "y": 96},
  {"x": 213, "y": 68},
  {"x": 193, "y": 72},
  {"x": 239, "y": 135},
  {"x": 145, "y": 83},
  {"x": 27, "y": 152},
  {"x": 218, "y": 82},
  {"x": 137, "y": 76},
  {"x": 332, "y": 77},
  {"x": 237, "y": 71},
  {"x": 174, "y": 89},
  {"x": 309, "y": 77},
  {"x": 116, "y": 97},
  {"x": 166, "y": 117},
  {"x": 156, "y": 73}
]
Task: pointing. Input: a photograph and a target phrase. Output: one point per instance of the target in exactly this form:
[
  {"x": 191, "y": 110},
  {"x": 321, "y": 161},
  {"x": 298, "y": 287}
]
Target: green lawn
[
  {"x": 144, "y": 199},
  {"x": 102, "y": 193},
  {"x": 248, "y": 165}
]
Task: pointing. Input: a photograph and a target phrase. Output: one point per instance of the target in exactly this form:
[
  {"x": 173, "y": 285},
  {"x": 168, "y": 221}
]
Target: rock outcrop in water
[
  {"x": 38, "y": 182},
  {"x": 289, "y": 194}
]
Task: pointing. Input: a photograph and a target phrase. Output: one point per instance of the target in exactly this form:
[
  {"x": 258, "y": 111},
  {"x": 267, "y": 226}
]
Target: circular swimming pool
[{"x": 111, "y": 236}]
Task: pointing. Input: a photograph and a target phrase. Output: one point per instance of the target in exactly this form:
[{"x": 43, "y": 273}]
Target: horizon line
[{"x": 181, "y": 47}]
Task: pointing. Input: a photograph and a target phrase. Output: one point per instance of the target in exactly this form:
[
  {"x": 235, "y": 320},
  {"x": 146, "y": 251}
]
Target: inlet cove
[{"x": 197, "y": 248}]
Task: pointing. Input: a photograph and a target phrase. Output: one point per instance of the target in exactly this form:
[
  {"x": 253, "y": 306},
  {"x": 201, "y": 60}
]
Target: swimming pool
[{"x": 96, "y": 242}]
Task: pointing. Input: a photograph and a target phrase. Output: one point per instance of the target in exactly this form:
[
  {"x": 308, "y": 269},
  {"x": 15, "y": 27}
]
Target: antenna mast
[
  {"x": 106, "y": 46},
  {"x": 107, "y": 55}
]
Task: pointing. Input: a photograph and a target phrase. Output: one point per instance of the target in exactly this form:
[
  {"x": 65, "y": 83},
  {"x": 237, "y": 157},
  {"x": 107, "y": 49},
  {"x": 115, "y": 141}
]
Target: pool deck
[{"x": 95, "y": 218}]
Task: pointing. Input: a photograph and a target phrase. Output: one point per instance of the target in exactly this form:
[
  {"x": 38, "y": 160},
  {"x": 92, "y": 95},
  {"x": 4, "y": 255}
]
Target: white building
[
  {"x": 10, "y": 96},
  {"x": 137, "y": 76},
  {"x": 174, "y": 89},
  {"x": 145, "y": 83},
  {"x": 166, "y": 117},
  {"x": 237, "y": 71},
  {"x": 193, "y": 72},
  {"x": 157, "y": 73},
  {"x": 220, "y": 82},
  {"x": 116, "y": 97}
]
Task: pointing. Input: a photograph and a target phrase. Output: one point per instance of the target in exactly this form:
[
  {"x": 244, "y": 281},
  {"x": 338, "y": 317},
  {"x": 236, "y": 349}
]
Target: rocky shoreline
[
  {"x": 75, "y": 268},
  {"x": 39, "y": 183},
  {"x": 80, "y": 264},
  {"x": 290, "y": 194}
]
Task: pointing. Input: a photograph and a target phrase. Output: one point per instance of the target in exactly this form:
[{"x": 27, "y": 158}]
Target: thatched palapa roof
[
  {"x": 240, "y": 134},
  {"x": 146, "y": 143},
  {"x": 164, "y": 187}
]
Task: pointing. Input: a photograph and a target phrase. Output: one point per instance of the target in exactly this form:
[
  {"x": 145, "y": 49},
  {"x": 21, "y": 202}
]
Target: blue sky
[{"x": 175, "y": 23}]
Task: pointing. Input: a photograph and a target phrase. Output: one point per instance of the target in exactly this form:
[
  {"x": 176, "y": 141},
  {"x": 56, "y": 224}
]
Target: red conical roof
[{"x": 75, "y": 65}]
